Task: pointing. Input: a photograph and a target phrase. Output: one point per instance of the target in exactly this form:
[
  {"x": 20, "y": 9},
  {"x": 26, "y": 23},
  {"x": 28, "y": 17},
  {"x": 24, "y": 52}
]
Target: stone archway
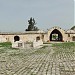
[
  {"x": 56, "y": 35},
  {"x": 16, "y": 38}
]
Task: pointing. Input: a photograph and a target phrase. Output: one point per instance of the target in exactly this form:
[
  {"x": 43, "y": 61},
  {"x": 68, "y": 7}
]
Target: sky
[{"x": 14, "y": 14}]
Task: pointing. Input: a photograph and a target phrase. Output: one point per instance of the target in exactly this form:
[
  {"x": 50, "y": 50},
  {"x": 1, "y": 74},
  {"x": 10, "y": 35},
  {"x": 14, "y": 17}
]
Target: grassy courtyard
[{"x": 53, "y": 59}]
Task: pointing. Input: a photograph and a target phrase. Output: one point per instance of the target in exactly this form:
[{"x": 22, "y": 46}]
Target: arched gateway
[{"x": 56, "y": 35}]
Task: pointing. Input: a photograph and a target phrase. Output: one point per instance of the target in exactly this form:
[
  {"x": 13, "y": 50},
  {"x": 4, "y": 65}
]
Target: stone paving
[{"x": 43, "y": 61}]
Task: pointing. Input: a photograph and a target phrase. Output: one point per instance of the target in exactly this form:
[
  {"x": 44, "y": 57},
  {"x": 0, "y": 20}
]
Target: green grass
[
  {"x": 5, "y": 44},
  {"x": 44, "y": 47},
  {"x": 4, "y": 47},
  {"x": 42, "y": 50},
  {"x": 66, "y": 47},
  {"x": 65, "y": 44}
]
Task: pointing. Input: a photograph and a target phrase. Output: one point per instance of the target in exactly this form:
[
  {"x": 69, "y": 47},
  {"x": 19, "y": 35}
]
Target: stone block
[
  {"x": 20, "y": 44},
  {"x": 17, "y": 44},
  {"x": 37, "y": 43}
]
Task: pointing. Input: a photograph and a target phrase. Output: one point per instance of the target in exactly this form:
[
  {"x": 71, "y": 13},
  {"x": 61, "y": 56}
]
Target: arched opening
[
  {"x": 42, "y": 37},
  {"x": 37, "y": 38},
  {"x": 73, "y": 38},
  {"x": 16, "y": 38},
  {"x": 56, "y": 35}
]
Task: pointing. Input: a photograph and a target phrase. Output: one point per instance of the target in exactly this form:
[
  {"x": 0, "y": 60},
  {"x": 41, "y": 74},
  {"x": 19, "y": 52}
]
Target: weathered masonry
[{"x": 53, "y": 34}]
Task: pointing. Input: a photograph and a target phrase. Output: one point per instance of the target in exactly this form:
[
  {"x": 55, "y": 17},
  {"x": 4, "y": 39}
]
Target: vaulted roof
[{"x": 70, "y": 31}]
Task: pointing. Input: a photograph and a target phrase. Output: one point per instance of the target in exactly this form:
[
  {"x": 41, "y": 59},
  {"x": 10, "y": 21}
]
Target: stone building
[{"x": 53, "y": 34}]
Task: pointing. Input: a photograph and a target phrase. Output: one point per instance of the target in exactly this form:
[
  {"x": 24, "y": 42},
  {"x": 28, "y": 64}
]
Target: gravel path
[{"x": 43, "y": 61}]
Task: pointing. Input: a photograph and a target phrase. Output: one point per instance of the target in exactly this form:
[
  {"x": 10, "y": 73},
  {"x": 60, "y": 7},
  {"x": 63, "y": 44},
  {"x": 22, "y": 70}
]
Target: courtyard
[{"x": 51, "y": 59}]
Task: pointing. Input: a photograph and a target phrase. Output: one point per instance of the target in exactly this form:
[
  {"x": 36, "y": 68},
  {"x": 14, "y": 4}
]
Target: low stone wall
[
  {"x": 37, "y": 43},
  {"x": 20, "y": 44},
  {"x": 17, "y": 44}
]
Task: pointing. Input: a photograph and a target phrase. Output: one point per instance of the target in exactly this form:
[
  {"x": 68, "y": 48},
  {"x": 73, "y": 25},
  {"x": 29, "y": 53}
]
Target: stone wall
[
  {"x": 23, "y": 37},
  {"x": 31, "y": 36}
]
